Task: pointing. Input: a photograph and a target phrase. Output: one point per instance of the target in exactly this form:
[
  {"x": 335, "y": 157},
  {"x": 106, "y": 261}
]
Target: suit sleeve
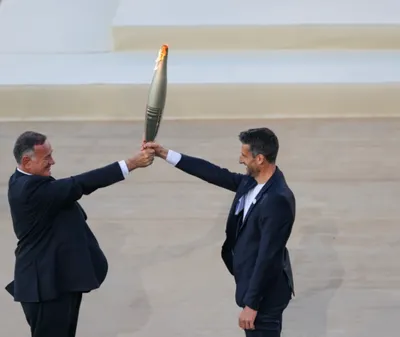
[
  {"x": 207, "y": 171},
  {"x": 47, "y": 192},
  {"x": 275, "y": 229}
]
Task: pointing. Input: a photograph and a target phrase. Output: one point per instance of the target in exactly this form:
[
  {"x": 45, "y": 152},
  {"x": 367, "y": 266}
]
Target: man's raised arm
[
  {"x": 48, "y": 192},
  {"x": 198, "y": 167}
]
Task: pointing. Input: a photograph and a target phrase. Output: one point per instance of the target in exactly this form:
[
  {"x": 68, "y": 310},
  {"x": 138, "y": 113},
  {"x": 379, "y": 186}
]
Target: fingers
[
  {"x": 150, "y": 161},
  {"x": 246, "y": 322},
  {"x": 242, "y": 324},
  {"x": 150, "y": 145},
  {"x": 148, "y": 155},
  {"x": 149, "y": 152},
  {"x": 250, "y": 325},
  {"x": 143, "y": 145}
]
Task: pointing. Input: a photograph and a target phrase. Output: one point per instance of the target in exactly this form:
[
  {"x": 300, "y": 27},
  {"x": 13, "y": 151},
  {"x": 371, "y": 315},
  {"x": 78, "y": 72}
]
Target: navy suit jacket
[
  {"x": 255, "y": 250},
  {"x": 56, "y": 251}
]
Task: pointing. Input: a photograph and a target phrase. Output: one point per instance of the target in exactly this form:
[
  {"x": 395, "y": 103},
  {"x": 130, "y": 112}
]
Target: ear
[
  {"x": 25, "y": 160},
  {"x": 260, "y": 159}
]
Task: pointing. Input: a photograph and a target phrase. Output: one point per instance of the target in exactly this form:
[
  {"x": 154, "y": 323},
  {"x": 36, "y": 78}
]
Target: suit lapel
[
  {"x": 239, "y": 200},
  {"x": 258, "y": 197},
  {"x": 247, "y": 186},
  {"x": 234, "y": 217},
  {"x": 251, "y": 183}
]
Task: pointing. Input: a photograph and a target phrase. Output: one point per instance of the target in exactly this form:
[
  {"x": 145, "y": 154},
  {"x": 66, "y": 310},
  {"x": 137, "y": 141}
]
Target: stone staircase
[{"x": 228, "y": 59}]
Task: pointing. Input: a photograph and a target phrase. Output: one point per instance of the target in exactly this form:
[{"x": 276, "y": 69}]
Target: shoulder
[
  {"x": 26, "y": 184},
  {"x": 277, "y": 199},
  {"x": 36, "y": 180},
  {"x": 280, "y": 200},
  {"x": 280, "y": 191}
]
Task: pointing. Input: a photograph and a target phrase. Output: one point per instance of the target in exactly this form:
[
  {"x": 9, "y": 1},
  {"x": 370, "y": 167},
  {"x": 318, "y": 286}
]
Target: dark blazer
[
  {"x": 255, "y": 250},
  {"x": 56, "y": 251}
]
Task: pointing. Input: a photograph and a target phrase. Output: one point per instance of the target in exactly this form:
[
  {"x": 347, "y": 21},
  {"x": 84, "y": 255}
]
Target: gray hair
[{"x": 25, "y": 144}]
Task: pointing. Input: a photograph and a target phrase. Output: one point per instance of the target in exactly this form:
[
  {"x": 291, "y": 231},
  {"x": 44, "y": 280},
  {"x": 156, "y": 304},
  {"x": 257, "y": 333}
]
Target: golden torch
[{"x": 157, "y": 96}]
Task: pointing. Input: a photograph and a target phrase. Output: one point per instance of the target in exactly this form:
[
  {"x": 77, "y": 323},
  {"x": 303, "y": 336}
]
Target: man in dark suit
[
  {"x": 57, "y": 256},
  {"x": 258, "y": 227}
]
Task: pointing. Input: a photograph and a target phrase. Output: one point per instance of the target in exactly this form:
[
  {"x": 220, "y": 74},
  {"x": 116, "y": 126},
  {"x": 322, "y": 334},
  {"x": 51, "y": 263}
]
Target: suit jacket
[
  {"x": 56, "y": 251},
  {"x": 255, "y": 250}
]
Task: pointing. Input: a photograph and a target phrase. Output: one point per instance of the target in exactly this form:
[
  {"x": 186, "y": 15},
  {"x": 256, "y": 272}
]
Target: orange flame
[
  {"x": 161, "y": 54},
  {"x": 163, "y": 51}
]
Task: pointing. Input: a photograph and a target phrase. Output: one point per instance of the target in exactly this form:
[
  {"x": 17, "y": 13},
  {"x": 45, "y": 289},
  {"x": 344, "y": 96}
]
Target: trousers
[
  {"x": 268, "y": 323},
  {"x": 56, "y": 318}
]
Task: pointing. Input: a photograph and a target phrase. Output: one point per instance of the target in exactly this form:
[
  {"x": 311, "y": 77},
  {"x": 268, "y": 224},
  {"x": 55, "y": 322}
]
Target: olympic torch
[{"x": 156, "y": 96}]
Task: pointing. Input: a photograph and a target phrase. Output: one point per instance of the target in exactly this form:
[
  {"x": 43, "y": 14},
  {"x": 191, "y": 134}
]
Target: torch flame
[
  {"x": 161, "y": 54},
  {"x": 164, "y": 50}
]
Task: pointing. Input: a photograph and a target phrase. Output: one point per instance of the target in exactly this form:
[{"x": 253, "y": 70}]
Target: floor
[{"x": 162, "y": 230}]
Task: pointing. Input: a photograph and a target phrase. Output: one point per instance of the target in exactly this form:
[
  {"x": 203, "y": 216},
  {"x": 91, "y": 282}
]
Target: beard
[{"x": 251, "y": 171}]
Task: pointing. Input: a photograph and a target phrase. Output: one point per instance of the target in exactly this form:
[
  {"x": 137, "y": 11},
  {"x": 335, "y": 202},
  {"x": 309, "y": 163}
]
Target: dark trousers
[
  {"x": 268, "y": 323},
  {"x": 56, "y": 318}
]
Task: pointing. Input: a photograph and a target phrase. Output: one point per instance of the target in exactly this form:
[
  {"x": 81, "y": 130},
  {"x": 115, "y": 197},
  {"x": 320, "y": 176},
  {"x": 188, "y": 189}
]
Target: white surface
[
  {"x": 255, "y": 12},
  {"x": 206, "y": 67},
  {"x": 57, "y": 26}
]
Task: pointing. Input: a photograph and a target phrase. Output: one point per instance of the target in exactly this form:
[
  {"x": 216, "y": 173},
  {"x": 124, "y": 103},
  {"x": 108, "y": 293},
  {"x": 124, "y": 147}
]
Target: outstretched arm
[
  {"x": 199, "y": 168},
  {"x": 45, "y": 190},
  {"x": 207, "y": 171},
  {"x": 50, "y": 193}
]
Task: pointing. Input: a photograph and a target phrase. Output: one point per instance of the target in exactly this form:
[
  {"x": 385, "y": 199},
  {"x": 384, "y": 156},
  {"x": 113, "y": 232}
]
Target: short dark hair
[
  {"x": 26, "y": 143},
  {"x": 261, "y": 141}
]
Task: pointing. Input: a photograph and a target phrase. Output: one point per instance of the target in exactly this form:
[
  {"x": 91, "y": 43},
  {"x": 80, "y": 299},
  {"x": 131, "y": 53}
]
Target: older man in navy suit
[
  {"x": 258, "y": 227},
  {"x": 57, "y": 256}
]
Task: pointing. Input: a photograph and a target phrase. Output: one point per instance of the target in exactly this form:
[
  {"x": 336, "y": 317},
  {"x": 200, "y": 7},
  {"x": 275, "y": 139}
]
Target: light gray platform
[
  {"x": 201, "y": 85},
  {"x": 162, "y": 229},
  {"x": 204, "y": 67}
]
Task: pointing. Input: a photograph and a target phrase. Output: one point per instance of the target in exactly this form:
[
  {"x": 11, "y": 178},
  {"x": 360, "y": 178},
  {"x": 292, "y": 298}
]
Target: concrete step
[
  {"x": 257, "y": 24},
  {"x": 202, "y": 85}
]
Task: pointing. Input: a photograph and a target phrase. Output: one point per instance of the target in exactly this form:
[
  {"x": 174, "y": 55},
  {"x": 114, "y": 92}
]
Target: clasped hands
[{"x": 145, "y": 156}]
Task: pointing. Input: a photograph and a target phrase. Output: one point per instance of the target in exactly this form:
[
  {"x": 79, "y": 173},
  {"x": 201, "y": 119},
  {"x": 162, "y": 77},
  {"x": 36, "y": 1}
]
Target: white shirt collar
[{"x": 18, "y": 169}]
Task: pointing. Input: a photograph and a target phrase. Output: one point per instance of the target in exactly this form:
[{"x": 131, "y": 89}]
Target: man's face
[
  {"x": 251, "y": 163},
  {"x": 40, "y": 164}
]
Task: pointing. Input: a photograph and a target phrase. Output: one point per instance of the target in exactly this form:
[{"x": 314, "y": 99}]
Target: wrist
[
  {"x": 252, "y": 302},
  {"x": 250, "y": 308},
  {"x": 131, "y": 164},
  {"x": 163, "y": 153}
]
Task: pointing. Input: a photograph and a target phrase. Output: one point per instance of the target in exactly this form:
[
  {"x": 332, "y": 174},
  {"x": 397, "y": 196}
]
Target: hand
[
  {"x": 142, "y": 159},
  {"x": 159, "y": 151},
  {"x": 247, "y": 318}
]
